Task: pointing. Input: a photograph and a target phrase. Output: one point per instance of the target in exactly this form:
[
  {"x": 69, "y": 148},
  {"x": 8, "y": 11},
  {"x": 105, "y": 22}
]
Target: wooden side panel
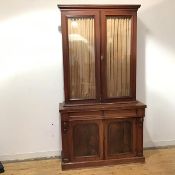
[
  {"x": 65, "y": 133},
  {"x": 87, "y": 138},
  {"x": 120, "y": 138},
  {"x": 140, "y": 114}
]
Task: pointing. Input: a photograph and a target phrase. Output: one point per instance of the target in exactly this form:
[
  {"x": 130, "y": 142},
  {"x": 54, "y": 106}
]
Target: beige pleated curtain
[
  {"x": 81, "y": 58},
  {"x": 118, "y": 56}
]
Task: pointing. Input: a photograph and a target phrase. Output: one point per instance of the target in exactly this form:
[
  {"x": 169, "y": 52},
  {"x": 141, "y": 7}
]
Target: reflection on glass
[
  {"x": 118, "y": 56},
  {"x": 81, "y": 58}
]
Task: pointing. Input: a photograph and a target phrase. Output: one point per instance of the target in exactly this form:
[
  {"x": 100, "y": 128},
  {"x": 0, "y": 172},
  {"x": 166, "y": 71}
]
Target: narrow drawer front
[
  {"x": 85, "y": 115},
  {"x": 120, "y": 113}
]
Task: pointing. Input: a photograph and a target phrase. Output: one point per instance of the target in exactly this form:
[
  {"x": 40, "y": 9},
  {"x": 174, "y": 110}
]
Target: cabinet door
[
  {"x": 87, "y": 140},
  {"x": 81, "y": 48},
  {"x": 120, "y": 138},
  {"x": 118, "y": 53}
]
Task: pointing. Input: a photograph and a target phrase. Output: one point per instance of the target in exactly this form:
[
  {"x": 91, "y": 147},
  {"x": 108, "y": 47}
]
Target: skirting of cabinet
[{"x": 72, "y": 165}]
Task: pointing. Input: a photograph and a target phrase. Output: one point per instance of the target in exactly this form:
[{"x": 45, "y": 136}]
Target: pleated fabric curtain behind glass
[
  {"x": 81, "y": 58},
  {"x": 118, "y": 56}
]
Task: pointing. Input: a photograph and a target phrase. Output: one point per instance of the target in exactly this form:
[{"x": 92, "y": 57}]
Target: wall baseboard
[
  {"x": 158, "y": 144},
  {"x": 30, "y": 156},
  {"x": 57, "y": 154}
]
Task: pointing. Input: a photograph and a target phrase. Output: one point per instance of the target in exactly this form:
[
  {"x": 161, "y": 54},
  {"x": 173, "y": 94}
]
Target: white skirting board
[
  {"x": 34, "y": 155},
  {"x": 158, "y": 144},
  {"x": 50, "y": 154}
]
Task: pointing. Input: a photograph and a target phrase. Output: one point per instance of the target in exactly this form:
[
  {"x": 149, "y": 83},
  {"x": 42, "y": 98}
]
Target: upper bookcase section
[{"x": 99, "y": 52}]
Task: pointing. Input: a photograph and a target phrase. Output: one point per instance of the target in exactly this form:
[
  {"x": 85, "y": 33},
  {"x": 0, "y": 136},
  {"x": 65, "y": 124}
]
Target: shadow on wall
[
  {"x": 141, "y": 64},
  {"x": 141, "y": 75},
  {"x": 29, "y": 111},
  {"x": 159, "y": 20},
  {"x": 157, "y": 23},
  {"x": 11, "y": 8},
  {"x": 30, "y": 76}
]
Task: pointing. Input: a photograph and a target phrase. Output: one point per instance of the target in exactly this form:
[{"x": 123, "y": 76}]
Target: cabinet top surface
[
  {"x": 103, "y": 6},
  {"x": 102, "y": 106}
]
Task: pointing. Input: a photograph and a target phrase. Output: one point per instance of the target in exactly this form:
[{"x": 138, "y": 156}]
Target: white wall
[{"x": 31, "y": 79}]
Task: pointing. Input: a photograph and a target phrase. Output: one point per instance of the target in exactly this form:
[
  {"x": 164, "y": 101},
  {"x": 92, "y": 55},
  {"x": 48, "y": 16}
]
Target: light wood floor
[{"x": 158, "y": 162}]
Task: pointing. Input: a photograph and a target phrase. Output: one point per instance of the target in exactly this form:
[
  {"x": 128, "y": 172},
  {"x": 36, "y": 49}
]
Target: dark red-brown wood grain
[{"x": 101, "y": 131}]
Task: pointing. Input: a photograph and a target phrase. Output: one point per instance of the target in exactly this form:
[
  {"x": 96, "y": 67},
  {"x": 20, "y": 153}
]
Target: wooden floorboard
[{"x": 158, "y": 162}]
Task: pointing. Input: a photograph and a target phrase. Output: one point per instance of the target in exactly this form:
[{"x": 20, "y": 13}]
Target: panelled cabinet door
[
  {"x": 118, "y": 53},
  {"x": 81, "y": 49},
  {"x": 87, "y": 140},
  {"x": 120, "y": 138}
]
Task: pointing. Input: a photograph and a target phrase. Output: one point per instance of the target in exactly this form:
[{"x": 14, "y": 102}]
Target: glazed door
[
  {"x": 120, "y": 138},
  {"x": 81, "y": 52},
  {"x": 86, "y": 140},
  {"x": 118, "y": 55}
]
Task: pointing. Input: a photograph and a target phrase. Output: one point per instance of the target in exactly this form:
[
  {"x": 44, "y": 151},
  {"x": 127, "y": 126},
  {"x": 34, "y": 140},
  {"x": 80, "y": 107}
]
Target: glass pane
[
  {"x": 81, "y": 58},
  {"x": 118, "y": 56}
]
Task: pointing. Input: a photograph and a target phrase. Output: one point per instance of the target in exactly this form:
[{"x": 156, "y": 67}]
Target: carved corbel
[
  {"x": 65, "y": 126},
  {"x": 140, "y": 112},
  {"x": 140, "y": 122}
]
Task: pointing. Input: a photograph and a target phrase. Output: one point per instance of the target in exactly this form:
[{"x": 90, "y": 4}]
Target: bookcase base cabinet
[{"x": 102, "y": 134}]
